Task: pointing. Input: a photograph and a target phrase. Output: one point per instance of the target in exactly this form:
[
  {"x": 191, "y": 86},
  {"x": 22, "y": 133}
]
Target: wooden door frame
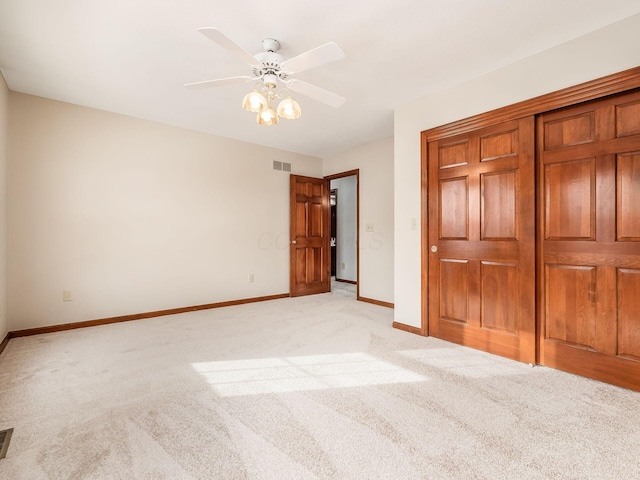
[
  {"x": 350, "y": 173},
  {"x": 592, "y": 90}
]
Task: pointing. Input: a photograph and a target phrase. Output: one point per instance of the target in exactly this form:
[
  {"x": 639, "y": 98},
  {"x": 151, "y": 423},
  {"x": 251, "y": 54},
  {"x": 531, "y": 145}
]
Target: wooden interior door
[
  {"x": 589, "y": 267},
  {"x": 481, "y": 206},
  {"x": 310, "y": 230}
]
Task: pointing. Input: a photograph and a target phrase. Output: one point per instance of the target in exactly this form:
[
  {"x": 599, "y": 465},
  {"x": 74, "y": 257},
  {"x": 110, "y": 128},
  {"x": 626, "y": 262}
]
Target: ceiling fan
[{"x": 272, "y": 73}]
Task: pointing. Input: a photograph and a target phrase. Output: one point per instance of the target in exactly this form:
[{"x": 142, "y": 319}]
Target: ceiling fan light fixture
[
  {"x": 267, "y": 117},
  {"x": 288, "y": 108},
  {"x": 272, "y": 72},
  {"x": 270, "y": 80},
  {"x": 255, "y": 102}
]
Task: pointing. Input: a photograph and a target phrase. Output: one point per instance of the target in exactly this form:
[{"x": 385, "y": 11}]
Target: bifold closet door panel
[
  {"x": 589, "y": 266},
  {"x": 481, "y": 239}
]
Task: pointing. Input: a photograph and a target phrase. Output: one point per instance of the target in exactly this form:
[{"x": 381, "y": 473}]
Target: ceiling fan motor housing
[{"x": 269, "y": 69}]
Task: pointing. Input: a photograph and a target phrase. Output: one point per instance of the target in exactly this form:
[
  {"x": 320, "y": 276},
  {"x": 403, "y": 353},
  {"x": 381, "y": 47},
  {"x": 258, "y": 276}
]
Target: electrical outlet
[
  {"x": 67, "y": 296},
  {"x": 414, "y": 223},
  {"x": 251, "y": 278},
  {"x": 368, "y": 227},
  {"x": 343, "y": 266}
]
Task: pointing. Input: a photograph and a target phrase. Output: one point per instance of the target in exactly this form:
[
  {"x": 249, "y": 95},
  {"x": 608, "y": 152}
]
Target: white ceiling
[{"x": 133, "y": 56}]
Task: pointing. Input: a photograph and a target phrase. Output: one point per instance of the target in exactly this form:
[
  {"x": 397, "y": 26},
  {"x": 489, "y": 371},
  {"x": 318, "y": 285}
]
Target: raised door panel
[
  {"x": 316, "y": 220},
  {"x": 454, "y": 291},
  {"x": 301, "y": 219},
  {"x": 628, "y": 197},
  {"x": 454, "y": 209},
  {"x": 569, "y": 131},
  {"x": 498, "y": 206},
  {"x": 570, "y": 200},
  {"x": 499, "y": 145},
  {"x": 499, "y": 297},
  {"x": 453, "y": 154},
  {"x": 629, "y": 313},
  {"x": 571, "y": 306},
  {"x": 300, "y": 265},
  {"x": 628, "y": 119}
]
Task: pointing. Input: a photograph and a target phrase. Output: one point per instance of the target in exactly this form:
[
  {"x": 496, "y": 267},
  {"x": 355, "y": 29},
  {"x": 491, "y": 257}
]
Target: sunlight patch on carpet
[
  {"x": 467, "y": 362},
  {"x": 292, "y": 374}
]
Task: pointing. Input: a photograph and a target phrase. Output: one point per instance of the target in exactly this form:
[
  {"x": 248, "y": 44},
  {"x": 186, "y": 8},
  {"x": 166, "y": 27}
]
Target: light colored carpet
[
  {"x": 343, "y": 288},
  {"x": 310, "y": 387}
]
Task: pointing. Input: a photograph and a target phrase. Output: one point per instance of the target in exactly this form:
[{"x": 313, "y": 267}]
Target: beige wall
[
  {"x": 133, "y": 216},
  {"x": 375, "y": 161},
  {"x": 606, "y": 51},
  {"x": 4, "y": 109}
]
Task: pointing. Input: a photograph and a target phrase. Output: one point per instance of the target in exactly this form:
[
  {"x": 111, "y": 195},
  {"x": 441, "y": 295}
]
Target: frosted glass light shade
[
  {"x": 289, "y": 108},
  {"x": 267, "y": 117},
  {"x": 254, "y": 102}
]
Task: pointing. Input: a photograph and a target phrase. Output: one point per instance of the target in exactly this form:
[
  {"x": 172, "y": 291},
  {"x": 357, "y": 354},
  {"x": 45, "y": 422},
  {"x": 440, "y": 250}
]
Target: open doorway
[
  {"x": 333, "y": 202},
  {"x": 344, "y": 201}
]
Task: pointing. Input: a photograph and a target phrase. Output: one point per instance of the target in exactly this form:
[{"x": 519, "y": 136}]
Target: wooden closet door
[
  {"x": 589, "y": 266},
  {"x": 481, "y": 249}
]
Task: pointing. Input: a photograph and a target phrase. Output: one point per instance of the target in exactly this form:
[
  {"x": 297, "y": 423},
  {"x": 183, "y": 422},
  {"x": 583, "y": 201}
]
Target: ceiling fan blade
[
  {"x": 225, "y": 42},
  {"x": 317, "y": 93},
  {"x": 329, "y": 52},
  {"x": 219, "y": 82}
]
